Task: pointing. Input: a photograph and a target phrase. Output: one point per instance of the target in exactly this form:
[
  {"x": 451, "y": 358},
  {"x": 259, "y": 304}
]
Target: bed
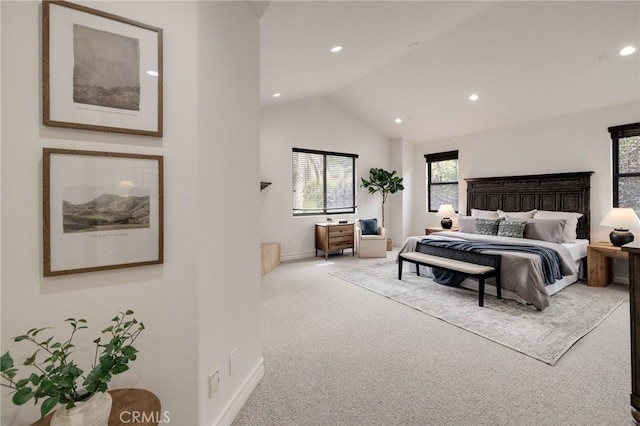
[{"x": 537, "y": 201}]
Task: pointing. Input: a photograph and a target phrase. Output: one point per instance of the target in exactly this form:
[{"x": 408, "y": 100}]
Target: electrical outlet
[
  {"x": 231, "y": 361},
  {"x": 214, "y": 382}
]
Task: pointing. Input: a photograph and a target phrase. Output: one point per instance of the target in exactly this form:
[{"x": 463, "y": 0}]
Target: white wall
[
  {"x": 312, "y": 124},
  {"x": 191, "y": 303},
  {"x": 573, "y": 143},
  {"x": 401, "y": 203}
]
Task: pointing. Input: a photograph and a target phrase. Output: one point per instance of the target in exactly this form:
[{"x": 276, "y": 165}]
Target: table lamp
[
  {"x": 621, "y": 219},
  {"x": 446, "y": 211}
]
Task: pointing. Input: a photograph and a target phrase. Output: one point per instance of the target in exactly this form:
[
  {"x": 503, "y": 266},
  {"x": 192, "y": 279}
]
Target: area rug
[{"x": 543, "y": 335}]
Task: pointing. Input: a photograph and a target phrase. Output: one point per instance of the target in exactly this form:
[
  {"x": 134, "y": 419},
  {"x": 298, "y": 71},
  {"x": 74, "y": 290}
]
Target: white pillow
[
  {"x": 569, "y": 233},
  {"x": 510, "y": 215},
  {"x": 486, "y": 214}
]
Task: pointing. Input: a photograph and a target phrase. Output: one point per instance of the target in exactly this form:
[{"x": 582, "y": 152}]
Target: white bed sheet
[{"x": 578, "y": 249}]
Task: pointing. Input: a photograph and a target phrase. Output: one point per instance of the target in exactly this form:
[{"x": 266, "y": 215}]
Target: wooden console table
[
  {"x": 129, "y": 407},
  {"x": 334, "y": 236},
  {"x": 599, "y": 257},
  {"x": 633, "y": 249}
]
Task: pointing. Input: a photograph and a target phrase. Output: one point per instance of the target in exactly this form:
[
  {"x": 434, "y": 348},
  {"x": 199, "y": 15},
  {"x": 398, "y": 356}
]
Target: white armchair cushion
[{"x": 371, "y": 245}]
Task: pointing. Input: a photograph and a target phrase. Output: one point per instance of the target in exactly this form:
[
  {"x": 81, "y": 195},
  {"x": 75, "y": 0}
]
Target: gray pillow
[
  {"x": 487, "y": 226},
  {"x": 485, "y": 214},
  {"x": 467, "y": 224},
  {"x": 544, "y": 229},
  {"x": 513, "y": 229},
  {"x": 511, "y": 215}
]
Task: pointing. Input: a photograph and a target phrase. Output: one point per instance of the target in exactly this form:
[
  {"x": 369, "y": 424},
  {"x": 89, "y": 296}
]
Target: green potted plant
[
  {"x": 55, "y": 378},
  {"x": 384, "y": 183}
]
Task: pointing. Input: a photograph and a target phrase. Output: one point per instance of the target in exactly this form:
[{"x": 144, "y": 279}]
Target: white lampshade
[
  {"x": 621, "y": 218},
  {"x": 446, "y": 210}
]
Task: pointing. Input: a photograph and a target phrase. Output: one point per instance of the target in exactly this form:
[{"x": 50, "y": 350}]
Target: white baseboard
[
  {"x": 233, "y": 407},
  {"x": 296, "y": 256},
  {"x": 621, "y": 280}
]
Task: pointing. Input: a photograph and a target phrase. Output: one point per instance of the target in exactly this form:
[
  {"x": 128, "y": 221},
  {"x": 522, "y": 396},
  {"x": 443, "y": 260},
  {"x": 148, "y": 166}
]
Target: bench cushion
[{"x": 437, "y": 261}]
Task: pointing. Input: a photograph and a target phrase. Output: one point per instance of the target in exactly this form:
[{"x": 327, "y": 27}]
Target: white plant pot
[{"x": 92, "y": 412}]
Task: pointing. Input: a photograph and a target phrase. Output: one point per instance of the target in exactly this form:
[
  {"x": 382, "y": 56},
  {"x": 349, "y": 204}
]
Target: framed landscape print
[
  {"x": 101, "y": 210},
  {"x": 100, "y": 71}
]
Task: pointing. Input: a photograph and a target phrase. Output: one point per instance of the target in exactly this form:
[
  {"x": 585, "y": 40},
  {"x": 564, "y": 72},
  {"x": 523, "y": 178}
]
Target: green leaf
[
  {"x": 31, "y": 359},
  {"x": 35, "y": 333},
  {"x": 121, "y": 368},
  {"x": 6, "y": 362},
  {"x": 35, "y": 379},
  {"x": 48, "y": 405},
  {"x": 22, "y": 396},
  {"x": 129, "y": 312},
  {"x": 20, "y": 338}
]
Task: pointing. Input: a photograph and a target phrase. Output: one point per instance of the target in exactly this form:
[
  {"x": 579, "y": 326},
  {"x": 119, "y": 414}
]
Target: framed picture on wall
[
  {"x": 101, "y": 210},
  {"x": 100, "y": 71}
]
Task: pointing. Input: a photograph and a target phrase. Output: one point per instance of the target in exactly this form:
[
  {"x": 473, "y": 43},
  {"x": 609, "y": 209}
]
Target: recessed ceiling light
[
  {"x": 473, "y": 97},
  {"x": 398, "y": 120},
  {"x": 277, "y": 95},
  {"x": 336, "y": 49},
  {"x": 627, "y": 51},
  {"x": 153, "y": 73}
]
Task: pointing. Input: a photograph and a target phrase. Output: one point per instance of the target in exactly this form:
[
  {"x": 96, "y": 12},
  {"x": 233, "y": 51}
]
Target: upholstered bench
[{"x": 470, "y": 264}]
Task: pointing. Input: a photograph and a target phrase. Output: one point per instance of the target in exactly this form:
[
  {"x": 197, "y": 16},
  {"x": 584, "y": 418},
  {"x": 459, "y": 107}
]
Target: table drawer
[
  {"x": 340, "y": 242},
  {"x": 338, "y": 231}
]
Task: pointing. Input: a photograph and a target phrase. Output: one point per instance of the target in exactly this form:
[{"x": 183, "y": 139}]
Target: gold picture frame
[
  {"x": 101, "y": 210},
  {"x": 100, "y": 71}
]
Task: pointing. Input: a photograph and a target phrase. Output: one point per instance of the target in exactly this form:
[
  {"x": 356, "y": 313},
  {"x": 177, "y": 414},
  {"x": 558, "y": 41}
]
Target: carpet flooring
[
  {"x": 338, "y": 354},
  {"x": 545, "y": 336}
]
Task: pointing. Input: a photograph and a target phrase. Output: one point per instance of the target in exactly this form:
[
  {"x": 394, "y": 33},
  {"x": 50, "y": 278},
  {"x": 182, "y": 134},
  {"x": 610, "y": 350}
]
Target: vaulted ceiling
[{"x": 421, "y": 60}]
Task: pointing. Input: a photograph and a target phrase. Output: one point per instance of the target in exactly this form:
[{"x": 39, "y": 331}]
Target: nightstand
[
  {"x": 433, "y": 229},
  {"x": 599, "y": 257},
  {"x": 335, "y": 236}
]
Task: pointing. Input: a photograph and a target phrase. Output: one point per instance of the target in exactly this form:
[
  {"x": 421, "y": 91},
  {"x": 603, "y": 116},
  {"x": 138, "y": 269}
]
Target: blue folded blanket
[{"x": 550, "y": 258}]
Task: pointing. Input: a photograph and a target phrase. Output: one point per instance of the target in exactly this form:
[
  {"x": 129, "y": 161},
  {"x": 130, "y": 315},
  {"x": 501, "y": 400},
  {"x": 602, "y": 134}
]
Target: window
[
  {"x": 626, "y": 166},
  {"x": 442, "y": 180},
  {"x": 323, "y": 182}
]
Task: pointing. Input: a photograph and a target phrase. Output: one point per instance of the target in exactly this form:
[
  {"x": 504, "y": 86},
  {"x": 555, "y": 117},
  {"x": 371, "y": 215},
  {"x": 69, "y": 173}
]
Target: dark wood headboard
[{"x": 568, "y": 192}]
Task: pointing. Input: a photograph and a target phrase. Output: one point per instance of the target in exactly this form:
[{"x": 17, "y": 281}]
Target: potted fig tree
[{"x": 383, "y": 182}]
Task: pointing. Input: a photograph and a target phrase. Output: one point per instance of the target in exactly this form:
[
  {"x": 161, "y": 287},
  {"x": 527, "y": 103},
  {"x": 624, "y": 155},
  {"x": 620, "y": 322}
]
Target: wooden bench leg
[
  {"x": 481, "y": 291},
  {"x": 498, "y": 286},
  {"x": 400, "y": 268}
]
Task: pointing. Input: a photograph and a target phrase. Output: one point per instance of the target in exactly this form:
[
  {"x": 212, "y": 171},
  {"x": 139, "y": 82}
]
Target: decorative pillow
[
  {"x": 487, "y": 226},
  {"x": 467, "y": 224},
  {"x": 569, "y": 233},
  {"x": 369, "y": 226},
  {"x": 510, "y": 215},
  {"x": 544, "y": 229},
  {"x": 488, "y": 214},
  {"x": 507, "y": 228}
]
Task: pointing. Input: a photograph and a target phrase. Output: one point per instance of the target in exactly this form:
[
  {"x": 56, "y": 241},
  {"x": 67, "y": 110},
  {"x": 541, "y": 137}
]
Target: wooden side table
[
  {"x": 599, "y": 257},
  {"x": 138, "y": 407},
  {"x": 433, "y": 229},
  {"x": 335, "y": 236}
]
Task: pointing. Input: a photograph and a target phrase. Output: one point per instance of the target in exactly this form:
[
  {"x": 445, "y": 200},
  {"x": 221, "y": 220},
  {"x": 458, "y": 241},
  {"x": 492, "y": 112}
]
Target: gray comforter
[{"x": 521, "y": 273}]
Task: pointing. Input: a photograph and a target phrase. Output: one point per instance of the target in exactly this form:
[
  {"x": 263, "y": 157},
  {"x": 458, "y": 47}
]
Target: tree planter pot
[
  {"x": 389, "y": 244},
  {"x": 92, "y": 412}
]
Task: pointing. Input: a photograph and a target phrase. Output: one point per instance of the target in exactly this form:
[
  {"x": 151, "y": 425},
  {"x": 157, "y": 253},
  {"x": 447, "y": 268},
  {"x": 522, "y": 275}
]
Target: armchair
[{"x": 371, "y": 245}]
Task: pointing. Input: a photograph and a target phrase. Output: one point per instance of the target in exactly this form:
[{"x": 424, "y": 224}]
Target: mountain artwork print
[
  {"x": 106, "y": 69},
  {"x": 106, "y": 212}
]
